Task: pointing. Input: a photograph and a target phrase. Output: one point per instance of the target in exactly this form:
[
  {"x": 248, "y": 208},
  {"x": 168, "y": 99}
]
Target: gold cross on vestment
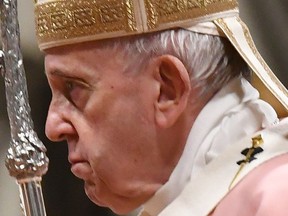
[{"x": 249, "y": 153}]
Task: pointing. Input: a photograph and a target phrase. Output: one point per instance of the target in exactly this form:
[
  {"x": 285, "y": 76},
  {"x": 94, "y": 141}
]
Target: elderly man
[{"x": 153, "y": 100}]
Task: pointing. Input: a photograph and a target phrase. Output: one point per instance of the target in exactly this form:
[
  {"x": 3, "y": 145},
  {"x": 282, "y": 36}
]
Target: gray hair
[{"x": 211, "y": 61}]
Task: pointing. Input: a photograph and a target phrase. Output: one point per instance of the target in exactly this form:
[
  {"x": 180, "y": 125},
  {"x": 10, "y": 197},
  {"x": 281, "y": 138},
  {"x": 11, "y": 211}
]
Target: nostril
[
  {"x": 59, "y": 128},
  {"x": 52, "y": 134},
  {"x": 58, "y": 131},
  {"x": 58, "y": 123}
]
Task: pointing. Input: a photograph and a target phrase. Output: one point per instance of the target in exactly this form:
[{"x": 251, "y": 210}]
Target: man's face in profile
[{"x": 106, "y": 116}]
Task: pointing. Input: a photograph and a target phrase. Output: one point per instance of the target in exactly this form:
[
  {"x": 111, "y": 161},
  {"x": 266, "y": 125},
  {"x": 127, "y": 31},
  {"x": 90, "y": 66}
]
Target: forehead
[
  {"x": 89, "y": 61},
  {"x": 78, "y": 49},
  {"x": 94, "y": 53}
]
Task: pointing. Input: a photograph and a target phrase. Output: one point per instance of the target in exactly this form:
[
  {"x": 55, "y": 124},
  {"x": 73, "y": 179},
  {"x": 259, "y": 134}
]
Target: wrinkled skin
[{"x": 109, "y": 120}]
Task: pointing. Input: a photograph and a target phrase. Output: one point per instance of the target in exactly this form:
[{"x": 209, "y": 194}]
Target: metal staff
[{"x": 26, "y": 159}]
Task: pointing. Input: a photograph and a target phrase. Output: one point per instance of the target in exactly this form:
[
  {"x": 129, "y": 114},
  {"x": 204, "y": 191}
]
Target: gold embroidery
[
  {"x": 130, "y": 16},
  {"x": 262, "y": 83},
  {"x": 193, "y": 4},
  {"x": 84, "y": 17},
  {"x": 76, "y": 18},
  {"x": 111, "y": 15},
  {"x": 260, "y": 59},
  {"x": 226, "y": 29},
  {"x": 249, "y": 153},
  {"x": 60, "y": 20},
  {"x": 161, "y": 12},
  {"x": 257, "y": 141}
]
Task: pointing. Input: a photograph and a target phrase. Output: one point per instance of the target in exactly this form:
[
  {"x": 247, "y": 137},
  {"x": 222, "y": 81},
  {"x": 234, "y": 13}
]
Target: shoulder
[
  {"x": 263, "y": 192},
  {"x": 270, "y": 189},
  {"x": 272, "y": 174}
]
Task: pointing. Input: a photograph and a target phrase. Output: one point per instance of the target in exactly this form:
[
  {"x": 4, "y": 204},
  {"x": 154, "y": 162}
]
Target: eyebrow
[
  {"x": 61, "y": 74},
  {"x": 65, "y": 76}
]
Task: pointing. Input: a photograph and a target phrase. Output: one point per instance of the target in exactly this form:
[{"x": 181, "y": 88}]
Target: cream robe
[{"x": 221, "y": 131}]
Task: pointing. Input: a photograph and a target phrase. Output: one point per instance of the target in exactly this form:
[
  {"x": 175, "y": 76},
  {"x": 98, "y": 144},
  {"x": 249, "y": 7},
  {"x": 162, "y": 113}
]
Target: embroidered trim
[
  {"x": 260, "y": 59},
  {"x": 161, "y": 12},
  {"x": 272, "y": 86},
  {"x": 65, "y": 20},
  {"x": 69, "y": 19}
]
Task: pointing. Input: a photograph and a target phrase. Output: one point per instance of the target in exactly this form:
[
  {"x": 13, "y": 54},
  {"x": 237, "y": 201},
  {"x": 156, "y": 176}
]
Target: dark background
[{"x": 63, "y": 193}]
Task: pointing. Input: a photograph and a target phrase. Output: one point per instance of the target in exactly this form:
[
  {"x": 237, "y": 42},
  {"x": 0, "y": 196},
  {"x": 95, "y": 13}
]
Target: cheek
[
  {"x": 121, "y": 133},
  {"x": 121, "y": 139},
  {"x": 117, "y": 147},
  {"x": 118, "y": 114}
]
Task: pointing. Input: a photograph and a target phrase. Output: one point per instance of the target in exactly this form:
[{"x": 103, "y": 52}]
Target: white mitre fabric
[
  {"x": 206, "y": 28},
  {"x": 233, "y": 113}
]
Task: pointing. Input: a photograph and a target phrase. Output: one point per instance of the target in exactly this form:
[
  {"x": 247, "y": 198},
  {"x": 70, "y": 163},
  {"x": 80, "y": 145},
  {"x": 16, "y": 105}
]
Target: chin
[
  {"x": 118, "y": 204},
  {"x": 119, "y": 207},
  {"x": 123, "y": 210}
]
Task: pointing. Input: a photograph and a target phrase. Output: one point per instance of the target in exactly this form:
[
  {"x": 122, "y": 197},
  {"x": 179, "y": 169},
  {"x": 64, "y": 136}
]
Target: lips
[{"x": 80, "y": 168}]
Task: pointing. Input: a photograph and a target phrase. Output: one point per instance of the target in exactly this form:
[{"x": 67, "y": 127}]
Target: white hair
[{"x": 211, "y": 61}]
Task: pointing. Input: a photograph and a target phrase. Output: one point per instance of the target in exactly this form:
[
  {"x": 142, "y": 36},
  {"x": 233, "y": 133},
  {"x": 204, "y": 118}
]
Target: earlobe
[{"x": 174, "y": 90}]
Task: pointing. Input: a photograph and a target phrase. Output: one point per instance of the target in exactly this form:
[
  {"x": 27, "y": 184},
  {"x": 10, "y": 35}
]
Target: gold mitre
[{"x": 63, "y": 22}]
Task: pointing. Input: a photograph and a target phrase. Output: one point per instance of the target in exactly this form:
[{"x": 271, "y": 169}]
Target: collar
[{"x": 215, "y": 128}]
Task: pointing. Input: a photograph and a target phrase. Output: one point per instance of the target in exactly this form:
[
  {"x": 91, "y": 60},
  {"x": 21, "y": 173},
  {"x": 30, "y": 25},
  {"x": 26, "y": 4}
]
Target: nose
[{"x": 58, "y": 126}]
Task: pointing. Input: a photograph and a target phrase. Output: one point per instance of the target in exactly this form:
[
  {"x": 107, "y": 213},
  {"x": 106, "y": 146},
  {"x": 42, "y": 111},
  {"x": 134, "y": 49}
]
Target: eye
[
  {"x": 69, "y": 85},
  {"x": 77, "y": 92}
]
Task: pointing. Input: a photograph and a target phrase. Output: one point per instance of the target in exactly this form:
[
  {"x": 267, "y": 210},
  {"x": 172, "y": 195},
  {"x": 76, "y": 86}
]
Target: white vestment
[{"x": 222, "y": 130}]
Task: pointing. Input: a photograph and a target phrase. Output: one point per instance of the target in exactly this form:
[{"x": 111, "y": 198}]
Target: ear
[{"x": 174, "y": 90}]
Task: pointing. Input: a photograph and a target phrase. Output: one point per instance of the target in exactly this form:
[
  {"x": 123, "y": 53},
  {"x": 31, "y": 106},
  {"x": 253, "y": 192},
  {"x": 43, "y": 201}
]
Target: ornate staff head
[
  {"x": 63, "y": 22},
  {"x": 26, "y": 159}
]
